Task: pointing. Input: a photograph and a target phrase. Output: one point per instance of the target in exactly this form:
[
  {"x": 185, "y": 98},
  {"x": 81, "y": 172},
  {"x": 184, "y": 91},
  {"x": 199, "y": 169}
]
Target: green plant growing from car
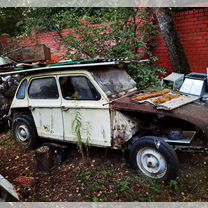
[{"x": 78, "y": 127}]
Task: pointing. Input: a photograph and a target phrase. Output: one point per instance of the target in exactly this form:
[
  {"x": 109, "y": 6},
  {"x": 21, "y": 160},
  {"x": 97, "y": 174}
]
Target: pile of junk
[{"x": 178, "y": 90}]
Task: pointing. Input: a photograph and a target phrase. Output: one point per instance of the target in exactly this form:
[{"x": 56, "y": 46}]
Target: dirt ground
[{"x": 101, "y": 177}]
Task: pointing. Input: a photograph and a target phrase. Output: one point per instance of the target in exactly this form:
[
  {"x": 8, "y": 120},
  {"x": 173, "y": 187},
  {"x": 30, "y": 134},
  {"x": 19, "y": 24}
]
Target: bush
[{"x": 146, "y": 75}]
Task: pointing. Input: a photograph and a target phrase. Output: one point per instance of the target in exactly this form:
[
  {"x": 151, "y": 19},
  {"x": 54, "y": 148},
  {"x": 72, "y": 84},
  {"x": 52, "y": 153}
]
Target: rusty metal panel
[
  {"x": 124, "y": 127},
  {"x": 194, "y": 113},
  {"x": 36, "y": 53}
]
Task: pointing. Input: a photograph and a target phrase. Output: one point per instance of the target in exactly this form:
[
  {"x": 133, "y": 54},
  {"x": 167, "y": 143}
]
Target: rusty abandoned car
[{"x": 48, "y": 98}]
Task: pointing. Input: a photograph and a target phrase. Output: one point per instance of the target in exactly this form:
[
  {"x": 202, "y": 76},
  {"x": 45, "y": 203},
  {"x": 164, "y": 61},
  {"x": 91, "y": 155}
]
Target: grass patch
[{"x": 6, "y": 139}]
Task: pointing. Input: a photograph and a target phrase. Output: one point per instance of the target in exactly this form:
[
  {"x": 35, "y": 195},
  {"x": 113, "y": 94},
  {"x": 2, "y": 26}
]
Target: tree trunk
[
  {"x": 44, "y": 158},
  {"x": 177, "y": 55}
]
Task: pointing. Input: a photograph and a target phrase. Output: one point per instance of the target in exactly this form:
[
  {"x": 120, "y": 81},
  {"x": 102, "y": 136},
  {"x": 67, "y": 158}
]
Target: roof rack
[{"x": 66, "y": 65}]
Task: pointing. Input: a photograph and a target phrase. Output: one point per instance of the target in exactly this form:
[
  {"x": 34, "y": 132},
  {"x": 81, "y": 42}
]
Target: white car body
[
  {"x": 54, "y": 118},
  {"x": 93, "y": 102}
]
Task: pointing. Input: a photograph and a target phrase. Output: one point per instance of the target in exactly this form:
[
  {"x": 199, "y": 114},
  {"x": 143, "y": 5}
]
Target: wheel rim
[
  {"x": 22, "y": 133},
  {"x": 151, "y": 162}
]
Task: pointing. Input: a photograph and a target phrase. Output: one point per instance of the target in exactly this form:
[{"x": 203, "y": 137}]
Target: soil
[{"x": 104, "y": 176}]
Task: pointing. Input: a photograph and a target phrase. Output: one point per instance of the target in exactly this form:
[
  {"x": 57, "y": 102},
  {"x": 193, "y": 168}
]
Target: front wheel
[{"x": 154, "y": 158}]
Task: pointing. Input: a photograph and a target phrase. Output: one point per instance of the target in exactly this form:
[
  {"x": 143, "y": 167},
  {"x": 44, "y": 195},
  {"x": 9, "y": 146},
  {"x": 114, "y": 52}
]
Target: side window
[
  {"x": 78, "y": 88},
  {"x": 43, "y": 88},
  {"x": 22, "y": 90}
]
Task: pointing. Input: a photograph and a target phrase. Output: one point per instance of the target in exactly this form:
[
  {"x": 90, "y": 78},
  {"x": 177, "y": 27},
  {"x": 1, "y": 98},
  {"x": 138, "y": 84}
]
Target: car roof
[{"x": 68, "y": 65}]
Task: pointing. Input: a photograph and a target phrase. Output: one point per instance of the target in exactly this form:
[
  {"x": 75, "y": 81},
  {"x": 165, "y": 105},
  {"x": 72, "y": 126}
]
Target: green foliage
[
  {"x": 88, "y": 129},
  {"x": 55, "y": 18},
  {"x": 146, "y": 75},
  {"x": 175, "y": 186},
  {"x": 95, "y": 199},
  {"x": 119, "y": 33},
  {"x": 99, "y": 33},
  {"x": 9, "y": 20},
  {"x": 79, "y": 127},
  {"x": 124, "y": 185},
  {"x": 6, "y": 140}
]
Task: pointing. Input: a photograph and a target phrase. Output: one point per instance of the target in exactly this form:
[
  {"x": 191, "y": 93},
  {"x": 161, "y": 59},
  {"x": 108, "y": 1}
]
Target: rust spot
[
  {"x": 193, "y": 113},
  {"x": 118, "y": 142},
  {"x": 46, "y": 128}
]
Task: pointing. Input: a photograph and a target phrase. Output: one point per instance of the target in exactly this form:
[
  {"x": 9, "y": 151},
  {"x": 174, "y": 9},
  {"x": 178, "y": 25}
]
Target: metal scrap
[{"x": 8, "y": 187}]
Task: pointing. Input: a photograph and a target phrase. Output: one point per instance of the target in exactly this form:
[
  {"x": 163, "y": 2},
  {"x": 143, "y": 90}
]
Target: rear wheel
[
  {"x": 24, "y": 131},
  {"x": 154, "y": 158}
]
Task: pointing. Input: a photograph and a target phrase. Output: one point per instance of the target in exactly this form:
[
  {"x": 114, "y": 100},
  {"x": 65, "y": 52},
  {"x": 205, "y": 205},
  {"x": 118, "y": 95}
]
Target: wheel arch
[
  {"x": 14, "y": 112},
  {"x": 166, "y": 123}
]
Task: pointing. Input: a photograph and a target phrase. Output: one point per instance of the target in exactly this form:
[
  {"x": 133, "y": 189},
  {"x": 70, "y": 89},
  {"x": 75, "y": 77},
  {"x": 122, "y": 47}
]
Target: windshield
[{"x": 113, "y": 80}]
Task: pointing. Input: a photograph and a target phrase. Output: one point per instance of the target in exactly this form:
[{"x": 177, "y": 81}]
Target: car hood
[{"x": 193, "y": 113}]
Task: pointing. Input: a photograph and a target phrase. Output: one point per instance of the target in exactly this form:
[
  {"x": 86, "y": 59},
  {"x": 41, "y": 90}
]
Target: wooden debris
[
  {"x": 165, "y": 98},
  {"x": 151, "y": 95},
  {"x": 44, "y": 158},
  {"x": 178, "y": 102},
  {"x": 36, "y": 53}
]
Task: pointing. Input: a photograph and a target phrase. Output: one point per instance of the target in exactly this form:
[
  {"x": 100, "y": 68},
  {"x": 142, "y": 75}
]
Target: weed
[
  {"x": 95, "y": 199},
  {"x": 124, "y": 185},
  {"x": 77, "y": 126},
  {"x": 88, "y": 129},
  {"x": 175, "y": 186},
  {"x": 107, "y": 173},
  {"x": 6, "y": 140}
]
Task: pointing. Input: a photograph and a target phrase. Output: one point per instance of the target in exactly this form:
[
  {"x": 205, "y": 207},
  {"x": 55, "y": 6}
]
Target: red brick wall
[{"x": 192, "y": 27}]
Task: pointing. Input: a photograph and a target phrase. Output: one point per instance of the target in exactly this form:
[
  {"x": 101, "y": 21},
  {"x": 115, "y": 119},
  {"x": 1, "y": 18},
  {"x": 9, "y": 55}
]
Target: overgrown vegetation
[
  {"x": 101, "y": 178},
  {"x": 100, "y": 33},
  {"x": 6, "y": 140},
  {"x": 146, "y": 75},
  {"x": 118, "y": 33}
]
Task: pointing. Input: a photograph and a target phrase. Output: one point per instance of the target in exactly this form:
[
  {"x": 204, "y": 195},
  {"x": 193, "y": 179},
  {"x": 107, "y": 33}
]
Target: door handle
[{"x": 64, "y": 108}]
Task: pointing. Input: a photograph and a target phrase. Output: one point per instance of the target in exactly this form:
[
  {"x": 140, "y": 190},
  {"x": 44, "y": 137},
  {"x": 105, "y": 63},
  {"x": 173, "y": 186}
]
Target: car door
[
  {"x": 45, "y": 105},
  {"x": 84, "y": 110}
]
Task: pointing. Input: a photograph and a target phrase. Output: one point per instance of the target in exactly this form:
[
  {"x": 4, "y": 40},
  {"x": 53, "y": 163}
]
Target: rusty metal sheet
[{"x": 194, "y": 113}]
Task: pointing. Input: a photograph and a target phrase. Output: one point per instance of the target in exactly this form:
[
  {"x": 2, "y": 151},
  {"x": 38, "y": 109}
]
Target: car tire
[
  {"x": 24, "y": 131},
  {"x": 154, "y": 158}
]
